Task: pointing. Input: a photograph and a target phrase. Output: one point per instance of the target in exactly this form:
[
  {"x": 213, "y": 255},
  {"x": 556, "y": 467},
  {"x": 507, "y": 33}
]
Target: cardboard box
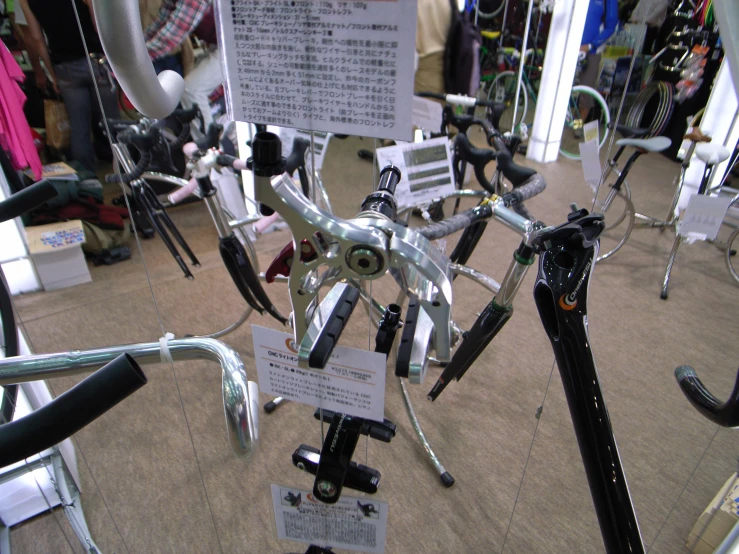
[
  {"x": 56, "y": 251},
  {"x": 717, "y": 520}
]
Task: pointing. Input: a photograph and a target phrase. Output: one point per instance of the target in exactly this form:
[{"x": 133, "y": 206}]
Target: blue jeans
[
  {"x": 171, "y": 62},
  {"x": 77, "y": 88}
]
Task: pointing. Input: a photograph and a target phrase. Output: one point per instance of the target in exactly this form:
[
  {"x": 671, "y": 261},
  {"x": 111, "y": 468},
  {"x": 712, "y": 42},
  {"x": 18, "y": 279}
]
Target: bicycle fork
[{"x": 560, "y": 294}]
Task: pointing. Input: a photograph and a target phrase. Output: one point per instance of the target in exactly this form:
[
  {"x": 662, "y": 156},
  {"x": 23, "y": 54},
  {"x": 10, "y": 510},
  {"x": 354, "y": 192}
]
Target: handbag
[{"x": 58, "y": 131}]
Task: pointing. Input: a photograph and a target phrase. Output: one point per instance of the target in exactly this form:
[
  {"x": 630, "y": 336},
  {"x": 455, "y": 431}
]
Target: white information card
[
  {"x": 341, "y": 67},
  {"x": 358, "y": 524},
  {"x": 703, "y": 216},
  {"x": 425, "y": 168},
  {"x": 353, "y": 381}
]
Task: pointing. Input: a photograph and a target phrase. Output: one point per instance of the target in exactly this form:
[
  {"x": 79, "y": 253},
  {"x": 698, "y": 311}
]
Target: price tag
[
  {"x": 358, "y": 524},
  {"x": 353, "y": 381},
  {"x": 425, "y": 167},
  {"x": 499, "y": 93},
  {"x": 590, "y": 162},
  {"x": 591, "y": 131},
  {"x": 703, "y": 216},
  {"x": 427, "y": 114}
]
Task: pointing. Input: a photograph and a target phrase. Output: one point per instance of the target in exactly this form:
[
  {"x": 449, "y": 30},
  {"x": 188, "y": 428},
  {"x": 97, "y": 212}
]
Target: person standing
[
  {"x": 66, "y": 62},
  {"x": 175, "y": 21},
  {"x": 432, "y": 30}
]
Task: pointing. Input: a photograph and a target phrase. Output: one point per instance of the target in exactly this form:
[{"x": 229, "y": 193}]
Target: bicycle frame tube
[{"x": 561, "y": 298}]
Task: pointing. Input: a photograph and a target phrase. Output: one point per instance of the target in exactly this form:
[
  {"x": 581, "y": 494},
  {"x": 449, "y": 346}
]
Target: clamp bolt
[
  {"x": 326, "y": 489},
  {"x": 364, "y": 261}
]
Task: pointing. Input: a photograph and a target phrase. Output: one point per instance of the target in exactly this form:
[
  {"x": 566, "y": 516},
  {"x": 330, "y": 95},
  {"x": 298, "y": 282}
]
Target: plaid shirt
[{"x": 175, "y": 21}]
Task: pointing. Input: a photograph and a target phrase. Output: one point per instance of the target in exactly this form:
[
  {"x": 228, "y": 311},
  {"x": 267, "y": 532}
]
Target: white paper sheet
[
  {"x": 353, "y": 523},
  {"x": 703, "y": 216},
  {"x": 425, "y": 167},
  {"x": 342, "y": 67},
  {"x": 353, "y": 381}
]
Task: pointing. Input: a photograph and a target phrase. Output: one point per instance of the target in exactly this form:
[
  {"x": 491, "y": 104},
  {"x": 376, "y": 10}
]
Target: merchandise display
[{"x": 346, "y": 300}]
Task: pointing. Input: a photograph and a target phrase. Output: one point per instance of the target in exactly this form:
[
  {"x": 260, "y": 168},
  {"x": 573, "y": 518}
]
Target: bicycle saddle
[
  {"x": 654, "y": 144},
  {"x": 696, "y": 135},
  {"x": 632, "y": 132},
  {"x": 710, "y": 153},
  {"x": 516, "y": 174}
]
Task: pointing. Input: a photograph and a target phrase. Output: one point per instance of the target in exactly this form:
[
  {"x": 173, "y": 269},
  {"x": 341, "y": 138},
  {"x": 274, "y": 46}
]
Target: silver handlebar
[
  {"x": 122, "y": 37},
  {"x": 240, "y": 396}
]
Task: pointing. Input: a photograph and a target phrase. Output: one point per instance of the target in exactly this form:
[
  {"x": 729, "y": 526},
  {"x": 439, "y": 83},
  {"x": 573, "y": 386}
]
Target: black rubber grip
[
  {"x": 270, "y": 406},
  {"x": 27, "y": 199},
  {"x": 446, "y": 479},
  {"x": 329, "y": 336},
  {"x": 435, "y": 95},
  {"x": 516, "y": 174},
  {"x": 296, "y": 158},
  {"x": 70, "y": 411},
  {"x": 478, "y": 158},
  {"x": 455, "y": 223}
]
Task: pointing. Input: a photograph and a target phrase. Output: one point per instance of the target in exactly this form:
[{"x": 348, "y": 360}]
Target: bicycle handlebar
[
  {"x": 122, "y": 38},
  {"x": 70, "y": 411},
  {"x": 26, "y": 200},
  {"x": 456, "y": 99},
  {"x": 725, "y": 414}
]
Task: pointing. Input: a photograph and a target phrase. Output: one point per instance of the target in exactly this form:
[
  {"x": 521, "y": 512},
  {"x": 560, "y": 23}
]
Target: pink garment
[{"x": 15, "y": 133}]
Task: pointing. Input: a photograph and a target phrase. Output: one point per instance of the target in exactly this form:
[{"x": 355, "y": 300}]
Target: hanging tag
[
  {"x": 353, "y": 523},
  {"x": 590, "y": 163},
  {"x": 427, "y": 114},
  {"x": 591, "y": 131},
  {"x": 703, "y": 216},
  {"x": 353, "y": 381},
  {"x": 425, "y": 167},
  {"x": 499, "y": 94}
]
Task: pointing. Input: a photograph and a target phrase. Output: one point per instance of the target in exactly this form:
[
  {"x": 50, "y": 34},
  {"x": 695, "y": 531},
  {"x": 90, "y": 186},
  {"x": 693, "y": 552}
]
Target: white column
[
  {"x": 721, "y": 122},
  {"x": 560, "y": 62}
]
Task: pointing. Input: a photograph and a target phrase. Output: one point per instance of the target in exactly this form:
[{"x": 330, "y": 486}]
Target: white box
[{"x": 56, "y": 251}]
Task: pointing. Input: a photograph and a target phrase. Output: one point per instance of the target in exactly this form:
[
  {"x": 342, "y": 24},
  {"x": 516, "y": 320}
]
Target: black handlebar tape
[
  {"x": 70, "y": 411},
  {"x": 211, "y": 138},
  {"x": 530, "y": 188},
  {"x": 455, "y": 223},
  {"x": 137, "y": 172},
  {"x": 182, "y": 138},
  {"x": 725, "y": 414},
  {"x": 26, "y": 200}
]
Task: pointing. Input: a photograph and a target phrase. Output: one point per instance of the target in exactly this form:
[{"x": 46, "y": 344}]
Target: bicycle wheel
[
  {"x": 503, "y": 89},
  {"x": 572, "y": 134},
  {"x": 619, "y": 213},
  {"x": 490, "y": 8},
  {"x": 732, "y": 264}
]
